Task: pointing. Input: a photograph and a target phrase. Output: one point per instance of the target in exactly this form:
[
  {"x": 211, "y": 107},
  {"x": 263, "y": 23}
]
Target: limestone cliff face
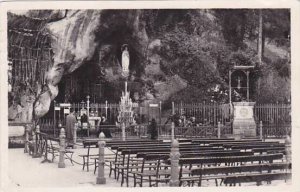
[{"x": 72, "y": 42}]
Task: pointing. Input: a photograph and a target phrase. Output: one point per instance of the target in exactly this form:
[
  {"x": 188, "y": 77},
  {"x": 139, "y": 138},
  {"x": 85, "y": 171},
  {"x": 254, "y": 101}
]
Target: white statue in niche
[{"x": 125, "y": 60}]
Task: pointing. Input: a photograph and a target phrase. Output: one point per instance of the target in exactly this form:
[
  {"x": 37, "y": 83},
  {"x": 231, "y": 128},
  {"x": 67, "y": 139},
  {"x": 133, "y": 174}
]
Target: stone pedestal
[{"x": 243, "y": 120}]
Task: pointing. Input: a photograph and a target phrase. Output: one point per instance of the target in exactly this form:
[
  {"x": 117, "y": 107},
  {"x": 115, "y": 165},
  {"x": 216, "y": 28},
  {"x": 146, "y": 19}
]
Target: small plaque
[
  {"x": 66, "y": 111},
  {"x": 65, "y": 104}
]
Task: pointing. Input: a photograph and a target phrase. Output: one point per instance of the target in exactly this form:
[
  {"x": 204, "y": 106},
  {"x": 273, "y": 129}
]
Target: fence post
[
  {"x": 219, "y": 129},
  {"x": 174, "y": 158},
  {"x": 288, "y": 149},
  {"x": 101, "y": 143},
  {"x": 172, "y": 131},
  {"x": 26, "y": 147},
  {"x": 62, "y": 149},
  {"x": 75, "y": 135},
  {"x": 260, "y": 130},
  {"x": 123, "y": 131}
]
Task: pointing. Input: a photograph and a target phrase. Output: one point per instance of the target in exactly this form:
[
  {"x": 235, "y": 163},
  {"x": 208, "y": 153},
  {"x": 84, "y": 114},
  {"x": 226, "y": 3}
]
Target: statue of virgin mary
[{"x": 125, "y": 61}]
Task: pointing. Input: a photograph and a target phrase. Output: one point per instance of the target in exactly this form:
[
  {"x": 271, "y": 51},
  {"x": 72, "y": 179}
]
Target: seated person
[{"x": 102, "y": 127}]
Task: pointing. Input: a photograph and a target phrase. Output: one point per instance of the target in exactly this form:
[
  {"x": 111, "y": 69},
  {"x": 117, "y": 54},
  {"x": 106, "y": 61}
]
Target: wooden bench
[
  {"x": 220, "y": 141},
  {"x": 269, "y": 150},
  {"x": 240, "y": 143},
  {"x": 131, "y": 161},
  {"x": 132, "y": 142},
  {"x": 128, "y": 164},
  {"x": 161, "y": 174},
  {"x": 90, "y": 142},
  {"x": 200, "y": 162},
  {"x": 162, "y": 171},
  {"x": 86, "y": 157},
  {"x": 54, "y": 149},
  {"x": 50, "y": 144},
  {"x": 145, "y": 146},
  {"x": 231, "y": 171},
  {"x": 258, "y": 178},
  {"x": 250, "y": 147}
]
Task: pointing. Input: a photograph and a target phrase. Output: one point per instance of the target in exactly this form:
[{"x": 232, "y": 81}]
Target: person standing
[
  {"x": 84, "y": 123},
  {"x": 70, "y": 125},
  {"x": 153, "y": 129}
]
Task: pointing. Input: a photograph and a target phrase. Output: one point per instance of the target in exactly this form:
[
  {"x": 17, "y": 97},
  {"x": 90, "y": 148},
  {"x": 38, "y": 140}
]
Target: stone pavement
[{"x": 26, "y": 171}]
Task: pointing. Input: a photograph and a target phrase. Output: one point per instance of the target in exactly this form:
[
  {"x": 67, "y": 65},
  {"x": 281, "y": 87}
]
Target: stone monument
[{"x": 243, "y": 120}]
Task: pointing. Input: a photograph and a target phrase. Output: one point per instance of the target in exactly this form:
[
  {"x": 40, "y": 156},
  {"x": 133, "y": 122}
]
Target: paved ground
[
  {"x": 25, "y": 171},
  {"x": 32, "y": 173}
]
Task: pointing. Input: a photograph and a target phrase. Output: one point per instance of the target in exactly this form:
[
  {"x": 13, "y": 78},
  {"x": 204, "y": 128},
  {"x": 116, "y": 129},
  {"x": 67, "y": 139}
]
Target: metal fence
[
  {"x": 273, "y": 114},
  {"x": 275, "y": 117},
  {"x": 204, "y": 113}
]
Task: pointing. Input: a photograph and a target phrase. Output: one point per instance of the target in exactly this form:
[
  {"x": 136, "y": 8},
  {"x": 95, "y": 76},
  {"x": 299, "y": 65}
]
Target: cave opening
[{"x": 90, "y": 78}]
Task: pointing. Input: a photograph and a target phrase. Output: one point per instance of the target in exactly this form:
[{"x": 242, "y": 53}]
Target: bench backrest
[
  {"x": 242, "y": 143},
  {"x": 250, "y": 146},
  {"x": 268, "y": 149},
  {"x": 231, "y": 159},
  {"x": 153, "y": 156},
  {"x": 142, "y": 154},
  {"x": 166, "y": 149},
  {"x": 225, "y": 141},
  {"x": 168, "y": 146},
  {"x": 258, "y": 178},
  {"x": 239, "y": 169}
]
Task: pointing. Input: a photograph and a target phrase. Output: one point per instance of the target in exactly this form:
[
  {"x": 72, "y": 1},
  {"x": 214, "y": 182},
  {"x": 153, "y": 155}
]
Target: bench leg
[
  {"x": 71, "y": 159},
  {"x": 83, "y": 164},
  {"x": 122, "y": 180},
  {"x": 119, "y": 172},
  {"x": 134, "y": 180},
  {"x": 110, "y": 168},
  {"x": 95, "y": 167},
  {"x": 115, "y": 171},
  {"x": 87, "y": 165},
  {"x": 221, "y": 181},
  {"x": 127, "y": 178},
  {"x": 200, "y": 182},
  {"x": 53, "y": 157},
  {"x": 141, "y": 184}
]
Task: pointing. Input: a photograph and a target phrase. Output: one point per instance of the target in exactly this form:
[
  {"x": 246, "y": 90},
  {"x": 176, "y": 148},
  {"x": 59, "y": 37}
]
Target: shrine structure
[{"x": 243, "y": 110}]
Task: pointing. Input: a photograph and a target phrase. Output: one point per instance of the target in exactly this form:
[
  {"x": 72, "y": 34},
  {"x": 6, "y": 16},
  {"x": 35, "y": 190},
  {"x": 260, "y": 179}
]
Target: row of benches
[{"x": 149, "y": 161}]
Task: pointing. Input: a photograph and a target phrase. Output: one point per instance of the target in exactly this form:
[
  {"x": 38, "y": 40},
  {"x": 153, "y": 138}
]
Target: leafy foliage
[{"x": 201, "y": 46}]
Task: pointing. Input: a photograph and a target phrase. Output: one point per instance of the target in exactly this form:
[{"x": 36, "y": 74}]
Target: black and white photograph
[{"x": 148, "y": 97}]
